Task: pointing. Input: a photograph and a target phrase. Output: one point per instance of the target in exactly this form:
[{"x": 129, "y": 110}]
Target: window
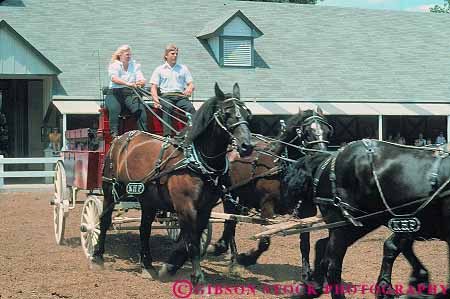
[
  {"x": 237, "y": 52},
  {"x": 231, "y": 41}
]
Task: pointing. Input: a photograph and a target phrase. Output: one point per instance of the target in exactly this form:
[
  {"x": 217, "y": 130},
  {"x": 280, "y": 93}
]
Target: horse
[
  {"x": 182, "y": 176},
  {"x": 368, "y": 184},
  {"x": 255, "y": 180}
]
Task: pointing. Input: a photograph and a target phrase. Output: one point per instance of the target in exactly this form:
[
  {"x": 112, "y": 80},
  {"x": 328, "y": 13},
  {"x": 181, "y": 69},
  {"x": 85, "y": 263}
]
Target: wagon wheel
[
  {"x": 90, "y": 224},
  {"x": 174, "y": 233},
  {"x": 60, "y": 202}
]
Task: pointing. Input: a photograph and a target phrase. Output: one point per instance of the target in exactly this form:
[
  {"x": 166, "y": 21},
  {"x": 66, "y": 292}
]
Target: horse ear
[
  {"x": 236, "y": 91},
  {"x": 319, "y": 111},
  {"x": 219, "y": 92}
]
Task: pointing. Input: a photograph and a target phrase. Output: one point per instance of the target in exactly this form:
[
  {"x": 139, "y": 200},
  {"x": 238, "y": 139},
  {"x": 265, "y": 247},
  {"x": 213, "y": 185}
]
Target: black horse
[
  {"x": 256, "y": 182},
  {"x": 182, "y": 176},
  {"x": 368, "y": 184}
]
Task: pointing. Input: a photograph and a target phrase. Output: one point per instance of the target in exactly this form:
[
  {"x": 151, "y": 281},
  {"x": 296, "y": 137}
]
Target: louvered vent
[{"x": 237, "y": 52}]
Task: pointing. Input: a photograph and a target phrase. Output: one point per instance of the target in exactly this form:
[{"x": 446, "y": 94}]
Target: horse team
[{"x": 367, "y": 184}]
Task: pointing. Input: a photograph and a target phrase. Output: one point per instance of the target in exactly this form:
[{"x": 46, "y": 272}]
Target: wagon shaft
[{"x": 284, "y": 228}]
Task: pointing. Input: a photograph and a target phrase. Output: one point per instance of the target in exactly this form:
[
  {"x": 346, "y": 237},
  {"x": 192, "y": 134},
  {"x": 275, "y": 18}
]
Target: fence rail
[{"x": 47, "y": 173}]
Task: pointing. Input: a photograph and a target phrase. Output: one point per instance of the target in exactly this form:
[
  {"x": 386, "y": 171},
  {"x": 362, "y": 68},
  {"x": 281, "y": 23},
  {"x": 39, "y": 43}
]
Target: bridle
[
  {"x": 219, "y": 116},
  {"x": 317, "y": 120}
]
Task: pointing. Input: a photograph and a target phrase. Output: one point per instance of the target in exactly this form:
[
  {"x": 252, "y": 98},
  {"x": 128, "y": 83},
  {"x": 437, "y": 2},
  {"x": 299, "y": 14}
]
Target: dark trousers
[
  {"x": 178, "y": 100},
  {"x": 119, "y": 98}
]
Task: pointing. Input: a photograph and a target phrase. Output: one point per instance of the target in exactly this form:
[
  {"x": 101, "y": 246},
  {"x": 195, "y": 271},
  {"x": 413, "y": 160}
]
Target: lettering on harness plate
[
  {"x": 404, "y": 225},
  {"x": 135, "y": 188}
]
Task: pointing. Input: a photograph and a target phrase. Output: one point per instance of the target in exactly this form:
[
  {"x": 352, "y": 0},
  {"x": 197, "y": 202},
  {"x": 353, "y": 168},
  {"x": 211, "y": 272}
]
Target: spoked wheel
[
  {"x": 175, "y": 233},
  {"x": 60, "y": 202},
  {"x": 90, "y": 224}
]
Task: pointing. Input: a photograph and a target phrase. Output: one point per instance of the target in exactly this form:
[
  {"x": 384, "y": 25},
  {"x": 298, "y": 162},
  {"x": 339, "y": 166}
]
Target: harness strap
[
  {"x": 269, "y": 173},
  {"x": 433, "y": 180},
  {"x": 433, "y": 175}
]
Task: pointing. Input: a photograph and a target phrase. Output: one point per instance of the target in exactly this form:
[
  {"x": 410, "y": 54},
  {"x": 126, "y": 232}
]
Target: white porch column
[
  {"x": 448, "y": 128},
  {"x": 380, "y": 127},
  {"x": 64, "y": 128}
]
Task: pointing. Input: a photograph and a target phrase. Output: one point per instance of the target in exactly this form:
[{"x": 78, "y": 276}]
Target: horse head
[
  {"x": 308, "y": 129},
  {"x": 232, "y": 116}
]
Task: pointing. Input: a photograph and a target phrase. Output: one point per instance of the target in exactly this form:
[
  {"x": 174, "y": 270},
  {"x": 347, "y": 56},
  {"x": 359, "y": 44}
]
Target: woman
[{"x": 124, "y": 74}]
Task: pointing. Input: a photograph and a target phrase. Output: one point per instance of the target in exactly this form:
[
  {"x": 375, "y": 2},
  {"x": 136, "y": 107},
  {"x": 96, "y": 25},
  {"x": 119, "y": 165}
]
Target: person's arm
[
  {"x": 189, "y": 89},
  {"x": 113, "y": 71},
  {"x": 154, "y": 80},
  {"x": 189, "y": 82},
  {"x": 140, "y": 79},
  {"x": 154, "y": 90}
]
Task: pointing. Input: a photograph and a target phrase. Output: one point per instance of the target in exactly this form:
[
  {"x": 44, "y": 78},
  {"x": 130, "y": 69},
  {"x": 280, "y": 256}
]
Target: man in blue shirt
[{"x": 176, "y": 85}]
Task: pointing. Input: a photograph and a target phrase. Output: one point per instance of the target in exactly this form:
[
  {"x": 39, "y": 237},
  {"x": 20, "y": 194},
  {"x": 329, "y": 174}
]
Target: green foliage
[{"x": 441, "y": 9}]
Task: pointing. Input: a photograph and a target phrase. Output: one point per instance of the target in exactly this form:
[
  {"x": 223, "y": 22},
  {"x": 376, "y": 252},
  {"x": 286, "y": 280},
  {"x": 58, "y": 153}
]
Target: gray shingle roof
[{"x": 311, "y": 53}]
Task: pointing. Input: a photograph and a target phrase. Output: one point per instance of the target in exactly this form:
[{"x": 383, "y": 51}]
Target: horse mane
[
  {"x": 298, "y": 182},
  {"x": 202, "y": 118}
]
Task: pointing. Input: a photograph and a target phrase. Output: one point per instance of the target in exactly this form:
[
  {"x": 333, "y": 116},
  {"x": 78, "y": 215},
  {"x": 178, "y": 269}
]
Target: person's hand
[
  {"x": 156, "y": 104},
  {"x": 140, "y": 83},
  {"x": 187, "y": 92},
  {"x": 131, "y": 85}
]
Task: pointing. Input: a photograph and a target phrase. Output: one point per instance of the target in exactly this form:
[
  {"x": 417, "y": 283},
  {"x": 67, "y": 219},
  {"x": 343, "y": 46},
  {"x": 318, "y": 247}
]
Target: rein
[{"x": 338, "y": 202}]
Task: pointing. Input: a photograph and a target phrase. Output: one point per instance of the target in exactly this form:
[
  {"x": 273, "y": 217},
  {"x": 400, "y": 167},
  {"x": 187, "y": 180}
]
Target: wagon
[{"x": 81, "y": 170}]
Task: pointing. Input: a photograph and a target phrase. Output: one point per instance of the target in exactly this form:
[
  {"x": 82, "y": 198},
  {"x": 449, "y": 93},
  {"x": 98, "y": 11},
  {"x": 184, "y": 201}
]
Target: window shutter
[{"x": 237, "y": 52}]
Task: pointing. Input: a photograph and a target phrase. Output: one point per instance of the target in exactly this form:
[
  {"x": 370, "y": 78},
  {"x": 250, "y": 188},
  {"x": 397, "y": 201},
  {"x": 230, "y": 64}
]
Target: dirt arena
[{"x": 33, "y": 266}]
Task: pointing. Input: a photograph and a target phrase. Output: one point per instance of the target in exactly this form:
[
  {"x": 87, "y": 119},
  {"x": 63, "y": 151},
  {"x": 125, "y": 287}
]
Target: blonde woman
[{"x": 124, "y": 73}]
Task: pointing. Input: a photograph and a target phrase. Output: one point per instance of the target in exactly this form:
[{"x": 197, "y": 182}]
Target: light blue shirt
[
  {"x": 171, "y": 79},
  {"x": 132, "y": 75}
]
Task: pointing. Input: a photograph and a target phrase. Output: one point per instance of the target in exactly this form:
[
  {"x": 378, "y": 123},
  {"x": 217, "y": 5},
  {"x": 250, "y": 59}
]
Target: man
[
  {"x": 175, "y": 83},
  {"x": 55, "y": 140},
  {"x": 441, "y": 139},
  {"x": 420, "y": 141}
]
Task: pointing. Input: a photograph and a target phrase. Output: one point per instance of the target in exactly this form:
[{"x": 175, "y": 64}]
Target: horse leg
[
  {"x": 145, "y": 230},
  {"x": 391, "y": 249},
  {"x": 105, "y": 222},
  {"x": 305, "y": 243},
  {"x": 189, "y": 248},
  {"x": 229, "y": 231},
  {"x": 251, "y": 257},
  {"x": 340, "y": 239},
  {"x": 419, "y": 278}
]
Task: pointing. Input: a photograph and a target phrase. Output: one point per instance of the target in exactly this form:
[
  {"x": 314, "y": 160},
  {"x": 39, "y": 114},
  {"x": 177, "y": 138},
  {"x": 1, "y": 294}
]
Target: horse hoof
[
  {"x": 166, "y": 272},
  {"x": 149, "y": 273},
  {"x": 198, "y": 280},
  {"x": 97, "y": 263},
  {"x": 308, "y": 291},
  {"x": 236, "y": 270},
  {"x": 246, "y": 259},
  {"x": 216, "y": 249}
]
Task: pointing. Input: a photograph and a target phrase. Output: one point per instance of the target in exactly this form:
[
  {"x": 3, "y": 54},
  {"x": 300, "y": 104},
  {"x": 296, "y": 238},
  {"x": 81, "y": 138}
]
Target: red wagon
[{"x": 81, "y": 169}]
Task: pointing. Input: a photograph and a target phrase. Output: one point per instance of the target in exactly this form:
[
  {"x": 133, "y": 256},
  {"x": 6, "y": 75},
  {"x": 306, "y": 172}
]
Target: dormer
[{"x": 231, "y": 40}]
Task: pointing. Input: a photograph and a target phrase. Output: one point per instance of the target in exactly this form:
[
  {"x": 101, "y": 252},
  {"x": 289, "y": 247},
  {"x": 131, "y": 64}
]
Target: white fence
[{"x": 47, "y": 173}]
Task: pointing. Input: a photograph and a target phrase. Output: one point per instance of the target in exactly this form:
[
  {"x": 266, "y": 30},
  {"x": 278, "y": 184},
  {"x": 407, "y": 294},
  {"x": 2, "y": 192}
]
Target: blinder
[{"x": 315, "y": 119}]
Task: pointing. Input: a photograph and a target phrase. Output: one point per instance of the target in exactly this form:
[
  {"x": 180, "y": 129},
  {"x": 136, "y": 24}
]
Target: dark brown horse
[
  {"x": 182, "y": 176},
  {"x": 368, "y": 184},
  {"x": 256, "y": 181}
]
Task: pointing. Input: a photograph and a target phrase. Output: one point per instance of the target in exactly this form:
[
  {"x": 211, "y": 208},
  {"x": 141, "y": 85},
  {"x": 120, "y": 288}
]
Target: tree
[
  {"x": 291, "y": 1},
  {"x": 441, "y": 9}
]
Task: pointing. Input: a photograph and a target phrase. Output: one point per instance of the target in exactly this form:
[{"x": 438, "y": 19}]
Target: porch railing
[{"x": 47, "y": 173}]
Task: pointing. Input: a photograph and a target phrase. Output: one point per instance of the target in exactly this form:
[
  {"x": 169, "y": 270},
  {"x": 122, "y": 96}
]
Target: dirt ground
[{"x": 33, "y": 266}]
